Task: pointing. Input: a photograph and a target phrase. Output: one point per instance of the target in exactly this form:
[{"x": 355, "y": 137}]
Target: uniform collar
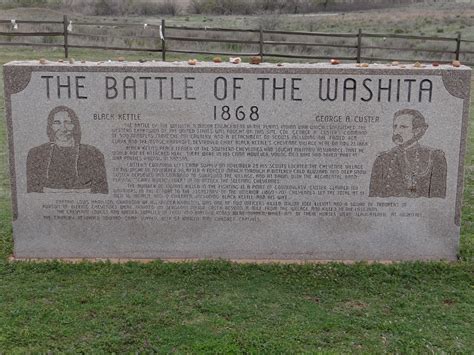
[{"x": 411, "y": 146}]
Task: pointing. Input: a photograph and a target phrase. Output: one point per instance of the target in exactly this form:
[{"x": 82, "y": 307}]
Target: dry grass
[{"x": 440, "y": 20}]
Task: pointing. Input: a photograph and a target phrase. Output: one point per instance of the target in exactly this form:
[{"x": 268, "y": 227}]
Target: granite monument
[{"x": 236, "y": 161}]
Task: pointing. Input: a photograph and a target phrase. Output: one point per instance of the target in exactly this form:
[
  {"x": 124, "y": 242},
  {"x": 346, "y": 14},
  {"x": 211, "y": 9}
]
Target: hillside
[{"x": 214, "y": 7}]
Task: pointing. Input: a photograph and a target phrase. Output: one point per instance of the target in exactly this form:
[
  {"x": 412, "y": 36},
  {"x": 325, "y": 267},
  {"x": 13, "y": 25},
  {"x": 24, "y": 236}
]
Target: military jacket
[{"x": 417, "y": 171}]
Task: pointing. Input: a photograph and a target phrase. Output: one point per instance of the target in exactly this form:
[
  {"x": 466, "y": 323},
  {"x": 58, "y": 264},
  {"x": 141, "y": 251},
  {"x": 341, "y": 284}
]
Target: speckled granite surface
[{"x": 281, "y": 162}]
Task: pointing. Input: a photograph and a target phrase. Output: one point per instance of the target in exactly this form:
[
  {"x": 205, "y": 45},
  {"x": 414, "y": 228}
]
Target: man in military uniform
[{"x": 409, "y": 169}]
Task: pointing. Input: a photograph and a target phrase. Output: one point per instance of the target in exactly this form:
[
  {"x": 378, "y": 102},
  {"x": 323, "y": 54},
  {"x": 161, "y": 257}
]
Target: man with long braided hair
[{"x": 64, "y": 164}]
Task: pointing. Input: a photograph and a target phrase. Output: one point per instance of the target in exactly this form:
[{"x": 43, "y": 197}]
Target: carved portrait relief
[
  {"x": 64, "y": 164},
  {"x": 409, "y": 169}
]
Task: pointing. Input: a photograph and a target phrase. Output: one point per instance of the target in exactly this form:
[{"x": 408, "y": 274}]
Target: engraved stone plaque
[{"x": 244, "y": 162}]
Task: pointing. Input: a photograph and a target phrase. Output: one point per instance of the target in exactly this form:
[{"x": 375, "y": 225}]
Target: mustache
[
  {"x": 63, "y": 130},
  {"x": 396, "y": 138}
]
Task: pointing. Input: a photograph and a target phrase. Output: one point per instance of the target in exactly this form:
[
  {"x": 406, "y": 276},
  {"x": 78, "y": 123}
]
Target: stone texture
[{"x": 245, "y": 162}]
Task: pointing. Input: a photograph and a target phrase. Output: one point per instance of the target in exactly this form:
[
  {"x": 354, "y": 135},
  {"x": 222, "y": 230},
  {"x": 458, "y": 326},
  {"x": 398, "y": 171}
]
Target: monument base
[{"x": 13, "y": 259}]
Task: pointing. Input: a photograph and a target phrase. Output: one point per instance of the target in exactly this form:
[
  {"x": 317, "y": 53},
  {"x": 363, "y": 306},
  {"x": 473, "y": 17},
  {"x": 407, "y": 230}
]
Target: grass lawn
[
  {"x": 433, "y": 19},
  {"x": 224, "y": 307}
]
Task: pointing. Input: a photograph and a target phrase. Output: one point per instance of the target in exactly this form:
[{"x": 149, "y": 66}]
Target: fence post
[
  {"x": 260, "y": 51},
  {"x": 65, "y": 24},
  {"x": 163, "y": 42},
  {"x": 458, "y": 45},
  {"x": 359, "y": 45}
]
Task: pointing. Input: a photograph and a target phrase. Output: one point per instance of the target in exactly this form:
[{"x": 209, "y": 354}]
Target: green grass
[
  {"x": 441, "y": 20},
  {"x": 224, "y": 307}
]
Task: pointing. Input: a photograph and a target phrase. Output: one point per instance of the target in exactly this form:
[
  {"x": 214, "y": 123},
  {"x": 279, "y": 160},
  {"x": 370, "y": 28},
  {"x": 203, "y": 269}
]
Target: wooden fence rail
[{"x": 264, "y": 39}]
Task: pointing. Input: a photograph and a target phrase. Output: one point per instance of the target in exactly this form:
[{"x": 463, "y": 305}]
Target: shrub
[
  {"x": 169, "y": 7},
  {"x": 110, "y": 7},
  {"x": 195, "y": 7},
  {"x": 28, "y": 3},
  {"x": 246, "y": 7}
]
